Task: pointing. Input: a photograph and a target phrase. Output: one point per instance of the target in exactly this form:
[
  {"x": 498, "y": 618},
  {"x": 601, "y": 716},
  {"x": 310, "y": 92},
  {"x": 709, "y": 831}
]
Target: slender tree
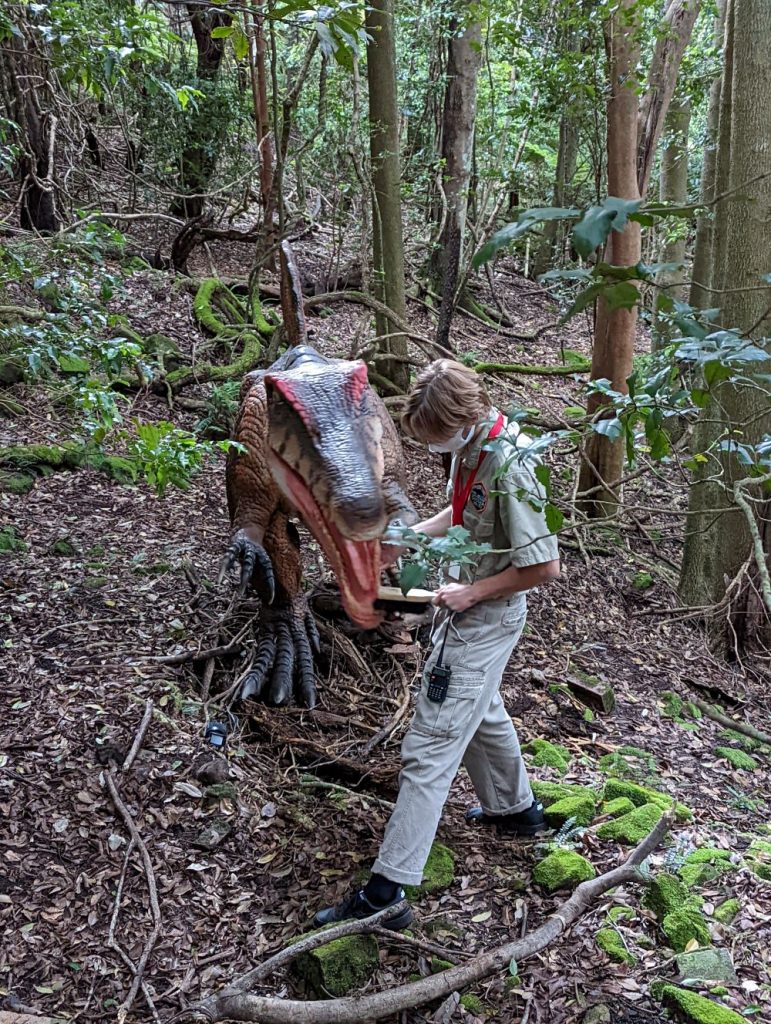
[
  {"x": 387, "y": 242},
  {"x": 729, "y": 527},
  {"x": 458, "y": 119}
]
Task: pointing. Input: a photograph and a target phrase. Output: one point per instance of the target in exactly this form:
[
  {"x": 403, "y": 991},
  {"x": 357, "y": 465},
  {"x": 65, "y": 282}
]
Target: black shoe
[
  {"x": 523, "y": 823},
  {"x": 358, "y": 907}
]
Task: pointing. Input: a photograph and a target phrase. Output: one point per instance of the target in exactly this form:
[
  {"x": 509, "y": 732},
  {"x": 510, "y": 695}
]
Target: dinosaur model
[{"x": 318, "y": 444}]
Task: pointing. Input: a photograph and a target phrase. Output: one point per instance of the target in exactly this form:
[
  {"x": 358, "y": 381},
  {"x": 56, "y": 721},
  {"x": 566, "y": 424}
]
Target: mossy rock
[
  {"x": 737, "y": 758},
  {"x": 616, "y": 808},
  {"x": 633, "y": 827},
  {"x": 16, "y": 483},
  {"x": 69, "y": 455},
  {"x": 340, "y": 966},
  {"x": 666, "y": 893},
  {"x": 438, "y": 873},
  {"x": 563, "y": 869},
  {"x": 672, "y": 704},
  {"x": 727, "y": 911},
  {"x": 473, "y": 1004},
  {"x": 705, "y": 967},
  {"x": 550, "y": 793},
  {"x": 704, "y": 865},
  {"x": 611, "y": 944},
  {"x": 628, "y": 762},
  {"x": 438, "y": 965},
  {"x": 62, "y": 548},
  {"x": 221, "y": 791},
  {"x": 692, "y": 1008},
  {"x": 684, "y": 925},
  {"x": 548, "y": 755},
  {"x": 621, "y": 914},
  {"x": 640, "y": 795},
  {"x": 96, "y": 582},
  {"x": 10, "y": 541},
  {"x": 578, "y": 808},
  {"x": 759, "y": 859}
]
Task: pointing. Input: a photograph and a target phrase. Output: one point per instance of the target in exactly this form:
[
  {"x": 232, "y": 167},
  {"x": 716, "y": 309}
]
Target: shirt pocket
[{"x": 452, "y": 718}]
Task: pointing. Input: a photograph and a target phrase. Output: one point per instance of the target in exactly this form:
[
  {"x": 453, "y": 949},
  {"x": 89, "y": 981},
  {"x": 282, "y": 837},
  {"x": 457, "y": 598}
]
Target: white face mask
[{"x": 453, "y": 444}]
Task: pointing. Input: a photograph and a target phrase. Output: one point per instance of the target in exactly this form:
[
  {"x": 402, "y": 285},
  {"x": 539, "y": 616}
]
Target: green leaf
[
  {"x": 543, "y": 476},
  {"x": 660, "y": 445},
  {"x": 240, "y": 44},
  {"x": 222, "y": 32},
  {"x": 623, "y": 295},
  {"x": 554, "y": 518},
  {"x": 598, "y": 222},
  {"x": 610, "y": 428},
  {"x": 413, "y": 574},
  {"x": 71, "y": 363},
  {"x": 525, "y": 222}
]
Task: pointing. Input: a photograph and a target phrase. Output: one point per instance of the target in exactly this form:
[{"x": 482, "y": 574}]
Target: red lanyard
[{"x": 460, "y": 495}]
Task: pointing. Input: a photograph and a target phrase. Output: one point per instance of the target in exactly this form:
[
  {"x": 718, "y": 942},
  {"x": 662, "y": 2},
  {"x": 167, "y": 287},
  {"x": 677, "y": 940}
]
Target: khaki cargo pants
[{"x": 471, "y": 726}]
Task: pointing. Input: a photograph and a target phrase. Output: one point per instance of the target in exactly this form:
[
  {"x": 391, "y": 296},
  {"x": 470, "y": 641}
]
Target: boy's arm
[{"x": 460, "y": 596}]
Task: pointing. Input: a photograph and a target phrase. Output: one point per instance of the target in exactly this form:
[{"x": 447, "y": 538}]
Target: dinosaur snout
[{"x": 360, "y": 516}]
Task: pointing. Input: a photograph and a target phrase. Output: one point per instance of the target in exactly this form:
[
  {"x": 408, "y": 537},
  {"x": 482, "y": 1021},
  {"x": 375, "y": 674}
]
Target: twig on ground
[
  {"x": 136, "y": 746},
  {"x": 731, "y": 723},
  {"x": 398, "y": 715},
  {"x": 236, "y": 1003}
]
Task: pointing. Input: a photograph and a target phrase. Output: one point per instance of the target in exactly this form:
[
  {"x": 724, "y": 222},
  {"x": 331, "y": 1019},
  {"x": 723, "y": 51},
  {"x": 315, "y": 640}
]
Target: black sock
[{"x": 380, "y": 891}]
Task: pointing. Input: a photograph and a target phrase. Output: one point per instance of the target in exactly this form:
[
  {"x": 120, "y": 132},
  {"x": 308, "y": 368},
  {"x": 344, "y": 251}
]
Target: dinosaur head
[{"x": 325, "y": 454}]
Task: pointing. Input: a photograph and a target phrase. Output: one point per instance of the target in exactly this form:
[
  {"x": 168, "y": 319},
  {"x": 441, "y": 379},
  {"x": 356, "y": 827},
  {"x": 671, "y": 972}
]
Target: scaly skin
[{"x": 320, "y": 444}]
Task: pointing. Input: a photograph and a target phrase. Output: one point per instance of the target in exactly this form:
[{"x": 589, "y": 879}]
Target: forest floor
[{"x": 84, "y": 623}]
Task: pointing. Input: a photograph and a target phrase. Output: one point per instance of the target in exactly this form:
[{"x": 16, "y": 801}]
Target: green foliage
[
  {"x": 167, "y": 455},
  {"x": 428, "y": 553},
  {"x": 737, "y": 758},
  {"x": 10, "y": 541}
]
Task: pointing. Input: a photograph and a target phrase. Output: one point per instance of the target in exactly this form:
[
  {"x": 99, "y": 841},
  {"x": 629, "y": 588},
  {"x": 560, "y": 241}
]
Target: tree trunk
[
  {"x": 208, "y": 124},
  {"x": 458, "y": 118},
  {"x": 673, "y": 189},
  {"x": 24, "y": 75},
  {"x": 702, "y": 257},
  {"x": 614, "y": 334},
  {"x": 717, "y": 546},
  {"x": 554, "y": 231},
  {"x": 672, "y": 38},
  {"x": 387, "y": 244}
]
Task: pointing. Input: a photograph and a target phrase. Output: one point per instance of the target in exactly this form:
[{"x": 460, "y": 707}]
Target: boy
[{"x": 478, "y": 622}]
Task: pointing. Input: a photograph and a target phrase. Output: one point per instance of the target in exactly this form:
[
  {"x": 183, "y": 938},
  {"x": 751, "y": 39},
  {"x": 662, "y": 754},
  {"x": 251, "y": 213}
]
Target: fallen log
[{"x": 237, "y": 1003}]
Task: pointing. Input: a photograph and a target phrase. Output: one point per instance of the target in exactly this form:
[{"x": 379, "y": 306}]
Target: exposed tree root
[
  {"x": 21, "y": 313},
  {"x": 731, "y": 723},
  {"x": 236, "y": 1003},
  {"x": 538, "y": 369},
  {"x": 203, "y": 373}
]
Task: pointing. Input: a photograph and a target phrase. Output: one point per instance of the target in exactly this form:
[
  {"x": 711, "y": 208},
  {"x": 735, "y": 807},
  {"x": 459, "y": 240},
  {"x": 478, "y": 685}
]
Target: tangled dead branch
[{"x": 236, "y": 1002}]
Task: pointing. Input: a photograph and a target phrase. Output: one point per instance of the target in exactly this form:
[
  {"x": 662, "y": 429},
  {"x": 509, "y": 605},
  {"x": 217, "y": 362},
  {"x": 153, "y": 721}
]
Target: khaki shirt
[{"x": 494, "y": 514}]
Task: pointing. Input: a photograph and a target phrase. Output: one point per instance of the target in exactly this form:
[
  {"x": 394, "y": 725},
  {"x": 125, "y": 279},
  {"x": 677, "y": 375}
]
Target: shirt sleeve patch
[{"x": 478, "y": 497}]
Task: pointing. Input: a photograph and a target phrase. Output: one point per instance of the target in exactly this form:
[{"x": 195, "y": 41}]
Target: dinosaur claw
[
  {"x": 251, "y": 555},
  {"x": 283, "y": 663}
]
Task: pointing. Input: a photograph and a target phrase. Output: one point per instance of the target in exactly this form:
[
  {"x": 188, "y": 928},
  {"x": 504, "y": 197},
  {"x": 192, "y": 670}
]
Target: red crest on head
[{"x": 356, "y": 382}]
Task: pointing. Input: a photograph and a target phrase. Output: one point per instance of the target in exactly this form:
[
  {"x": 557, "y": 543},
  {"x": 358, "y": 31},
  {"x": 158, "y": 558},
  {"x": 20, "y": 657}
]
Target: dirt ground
[{"x": 82, "y": 638}]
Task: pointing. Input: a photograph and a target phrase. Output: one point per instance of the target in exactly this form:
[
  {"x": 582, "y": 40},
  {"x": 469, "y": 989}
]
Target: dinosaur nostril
[{"x": 363, "y": 513}]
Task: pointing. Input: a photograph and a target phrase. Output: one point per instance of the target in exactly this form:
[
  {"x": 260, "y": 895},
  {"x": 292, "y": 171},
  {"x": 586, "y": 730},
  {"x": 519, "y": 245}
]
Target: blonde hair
[{"x": 446, "y": 397}]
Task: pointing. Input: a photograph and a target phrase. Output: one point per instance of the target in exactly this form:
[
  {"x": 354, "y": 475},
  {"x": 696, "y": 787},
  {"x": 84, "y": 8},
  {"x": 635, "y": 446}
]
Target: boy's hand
[{"x": 458, "y": 597}]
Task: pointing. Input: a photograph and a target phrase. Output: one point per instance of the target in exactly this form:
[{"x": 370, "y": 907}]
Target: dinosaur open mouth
[{"x": 356, "y": 563}]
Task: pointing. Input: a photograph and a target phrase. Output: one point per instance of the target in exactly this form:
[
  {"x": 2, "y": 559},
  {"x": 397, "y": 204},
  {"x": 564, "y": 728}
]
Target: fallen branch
[
  {"x": 152, "y": 888},
  {"x": 21, "y": 313},
  {"x": 538, "y": 369},
  {"x": 731, "y": 723},
  {"x": 401, "y": 711},
  {"x": 237, "y": 1004},
  {"x": 182, "y": 659}
]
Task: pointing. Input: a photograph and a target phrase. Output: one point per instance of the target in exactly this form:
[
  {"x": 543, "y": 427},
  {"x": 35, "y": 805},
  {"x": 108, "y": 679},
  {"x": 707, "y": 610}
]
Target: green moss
[
  {"x": 221, "y": 791},
  {"x": 681, "y": 926},
  {"x": 621, "y": 914},
  {"x": 62, "y": 548},
  {"x": 438, "y": 873},
  {"x": 738, "y": 758},
  {"x": 16, "y": 483},
  {"x": 551, "y": 792},
  {"x": 96, "y": 582},
  {"x": 633, "y": 827},
  {"x": 759, "y": 859},
  {"x": 628, "y": 762},
  {"x": 693, "y": 710},
  {"x": 438, "y": 965},
  {"x": 340, "y": 966},
  {"x": 473, "y": 1004},
  {"x": 704, "y": 865},
  {"x": 672, "y": 704},
  {"x": 640, "y": 795},
  {"x": 580, "y": 808},
  {"x": 10, "y": 540},
  {"x": 548, "y": 755},
  {"x": 696, "y": 1009},
  {"x": 615, "y": 808},
  {"x": 719, "y": 990},
  {"x": 732, "y": 736},
  {"x": 563, "y": 869},
  {"x": 610, "y": 942},
  {"x": 666, "y": 893},
  {"x": 727, "y": 911}
]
